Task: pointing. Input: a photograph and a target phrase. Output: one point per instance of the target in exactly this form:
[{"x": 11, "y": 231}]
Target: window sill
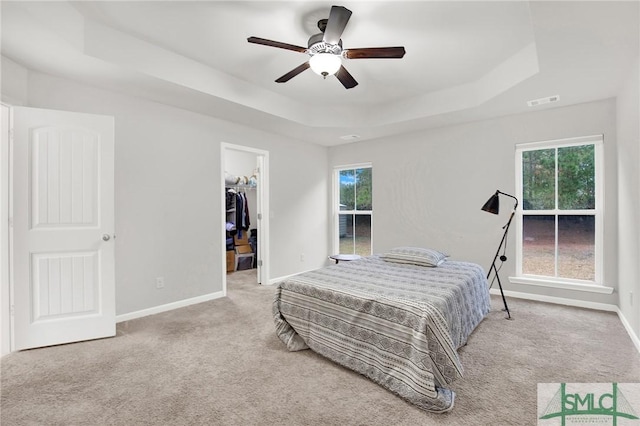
[{"x": 591, "y": 288}]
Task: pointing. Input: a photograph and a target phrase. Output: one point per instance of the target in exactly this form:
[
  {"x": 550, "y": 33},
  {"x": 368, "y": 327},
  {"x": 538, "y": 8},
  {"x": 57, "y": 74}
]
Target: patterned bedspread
[{"x": 399, "y": 325}]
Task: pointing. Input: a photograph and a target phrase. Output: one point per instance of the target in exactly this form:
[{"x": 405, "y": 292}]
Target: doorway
[{"x": 246, "y": 169}]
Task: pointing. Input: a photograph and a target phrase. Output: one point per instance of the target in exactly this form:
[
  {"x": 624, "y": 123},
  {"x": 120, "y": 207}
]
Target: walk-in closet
[{"x": 243, "y": 203}]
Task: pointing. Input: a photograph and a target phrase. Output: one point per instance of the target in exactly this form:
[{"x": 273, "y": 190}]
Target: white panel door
[{"x": 63, "y": 227}]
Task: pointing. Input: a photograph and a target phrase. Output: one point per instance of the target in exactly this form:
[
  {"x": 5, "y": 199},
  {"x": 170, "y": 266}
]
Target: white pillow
[{"x": 416, "y": 256}]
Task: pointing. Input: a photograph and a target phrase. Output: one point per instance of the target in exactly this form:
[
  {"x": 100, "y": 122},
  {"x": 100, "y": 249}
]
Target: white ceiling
[{"x": 464, "y": 61}]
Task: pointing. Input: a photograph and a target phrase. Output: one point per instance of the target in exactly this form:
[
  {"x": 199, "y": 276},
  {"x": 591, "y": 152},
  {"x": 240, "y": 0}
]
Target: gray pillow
[{"x": 415, "y": 256}]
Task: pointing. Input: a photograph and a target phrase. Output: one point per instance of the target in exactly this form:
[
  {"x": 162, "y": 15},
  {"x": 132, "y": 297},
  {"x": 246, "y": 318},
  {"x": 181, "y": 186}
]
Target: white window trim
[
  {"x": 335, "y": 202},
  {"x": 585, "y": 286},
  {"x": 597, "y": 285}
]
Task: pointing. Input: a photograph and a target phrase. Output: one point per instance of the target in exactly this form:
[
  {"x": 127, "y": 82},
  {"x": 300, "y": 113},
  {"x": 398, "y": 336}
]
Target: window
[
  {"x": 353, "y": 206},
  {"x": 559, "y": 183}
]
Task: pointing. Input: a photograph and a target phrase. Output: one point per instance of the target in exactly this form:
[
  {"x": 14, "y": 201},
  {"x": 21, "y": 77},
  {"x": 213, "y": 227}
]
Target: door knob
[{"x": 106, "y": 237}]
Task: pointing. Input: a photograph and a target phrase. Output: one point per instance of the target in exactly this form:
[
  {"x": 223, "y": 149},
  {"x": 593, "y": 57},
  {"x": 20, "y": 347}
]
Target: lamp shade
[
  {"x": 493, "y": 204},
  {"x": 325, "y": 64}
]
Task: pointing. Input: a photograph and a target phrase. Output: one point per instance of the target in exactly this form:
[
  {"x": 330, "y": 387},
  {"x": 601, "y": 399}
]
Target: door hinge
[
  {"x": 259, "y": 216},
  {"x": 259, "y": 262},
  {"x": 12, "y": 310}
]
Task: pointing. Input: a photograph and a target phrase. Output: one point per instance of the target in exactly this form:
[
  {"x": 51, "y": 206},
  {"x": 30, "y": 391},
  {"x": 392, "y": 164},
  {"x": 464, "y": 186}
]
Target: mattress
[{"x": 400, "y": 325}]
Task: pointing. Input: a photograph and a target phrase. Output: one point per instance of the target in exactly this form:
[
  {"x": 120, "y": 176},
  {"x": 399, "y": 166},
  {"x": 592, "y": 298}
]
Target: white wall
[
  {"x": 429, "y": 186},
  {"x": 168, "y": 193},
  {"x": 14, "y": 82},
  {"x": 628, "y": 113}
]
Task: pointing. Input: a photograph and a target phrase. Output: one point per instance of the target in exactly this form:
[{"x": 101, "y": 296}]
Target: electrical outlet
[
  {"x": 301, "y": 257},
  {"x": 160, "y": 282}
]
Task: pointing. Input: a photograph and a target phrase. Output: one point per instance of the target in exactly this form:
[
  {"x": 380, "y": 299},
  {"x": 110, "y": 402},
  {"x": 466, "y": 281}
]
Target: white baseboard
[
  {"x": 273, "y": 281},
  {"x": 627, "y": 326},
  {"x": 578, "y": 303},
  {"x": 277, "y": 280},
  {"x": 557, "y": 300},
  {"x": 169, "y": 306}
]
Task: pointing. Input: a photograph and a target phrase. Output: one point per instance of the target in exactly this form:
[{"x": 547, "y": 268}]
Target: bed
[{"x": 399, "y": 324}]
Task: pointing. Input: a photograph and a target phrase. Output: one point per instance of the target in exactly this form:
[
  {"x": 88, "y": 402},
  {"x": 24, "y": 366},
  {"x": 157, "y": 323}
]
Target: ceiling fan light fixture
[{"x": 325, "y": 64}]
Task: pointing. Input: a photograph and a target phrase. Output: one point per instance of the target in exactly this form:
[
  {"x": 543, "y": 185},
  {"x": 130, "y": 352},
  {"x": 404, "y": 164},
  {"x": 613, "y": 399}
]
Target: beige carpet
[{"x": 220, "y": 363}]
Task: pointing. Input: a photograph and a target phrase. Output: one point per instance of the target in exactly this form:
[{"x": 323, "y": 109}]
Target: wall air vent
[{"x": 549, "y": 99}]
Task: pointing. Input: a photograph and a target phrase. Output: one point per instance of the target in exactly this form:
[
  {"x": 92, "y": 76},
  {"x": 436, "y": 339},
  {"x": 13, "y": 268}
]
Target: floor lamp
[{"x": 493, "y": 206}]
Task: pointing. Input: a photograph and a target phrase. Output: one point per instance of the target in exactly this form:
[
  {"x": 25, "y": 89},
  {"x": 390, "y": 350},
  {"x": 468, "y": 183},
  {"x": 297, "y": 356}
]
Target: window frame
[
  {"x": 335, "y": 203},
  {"x": 596, "y": 285}
]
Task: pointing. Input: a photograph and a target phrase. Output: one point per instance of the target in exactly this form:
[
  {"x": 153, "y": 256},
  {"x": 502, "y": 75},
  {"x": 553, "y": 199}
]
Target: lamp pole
[{"x": 493, "y": 206}]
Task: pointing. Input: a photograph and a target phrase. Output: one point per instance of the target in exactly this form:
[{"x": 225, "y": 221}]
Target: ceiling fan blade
[
  {"x": 375, "y": 52},
  {"x": 264, "y": 41},
  {"x": 338, "y": 18},
  {"x": 297, "y": 70},
  {"x": 345, "y": 78}
]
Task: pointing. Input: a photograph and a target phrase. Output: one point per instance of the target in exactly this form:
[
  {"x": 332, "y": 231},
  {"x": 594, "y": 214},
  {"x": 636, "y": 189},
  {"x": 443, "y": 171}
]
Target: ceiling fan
[{"x": 326, "y": 52}]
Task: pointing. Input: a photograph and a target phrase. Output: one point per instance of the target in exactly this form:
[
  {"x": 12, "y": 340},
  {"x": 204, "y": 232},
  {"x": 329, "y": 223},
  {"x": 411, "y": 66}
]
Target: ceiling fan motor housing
[{"x": 318, "y": 45}]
